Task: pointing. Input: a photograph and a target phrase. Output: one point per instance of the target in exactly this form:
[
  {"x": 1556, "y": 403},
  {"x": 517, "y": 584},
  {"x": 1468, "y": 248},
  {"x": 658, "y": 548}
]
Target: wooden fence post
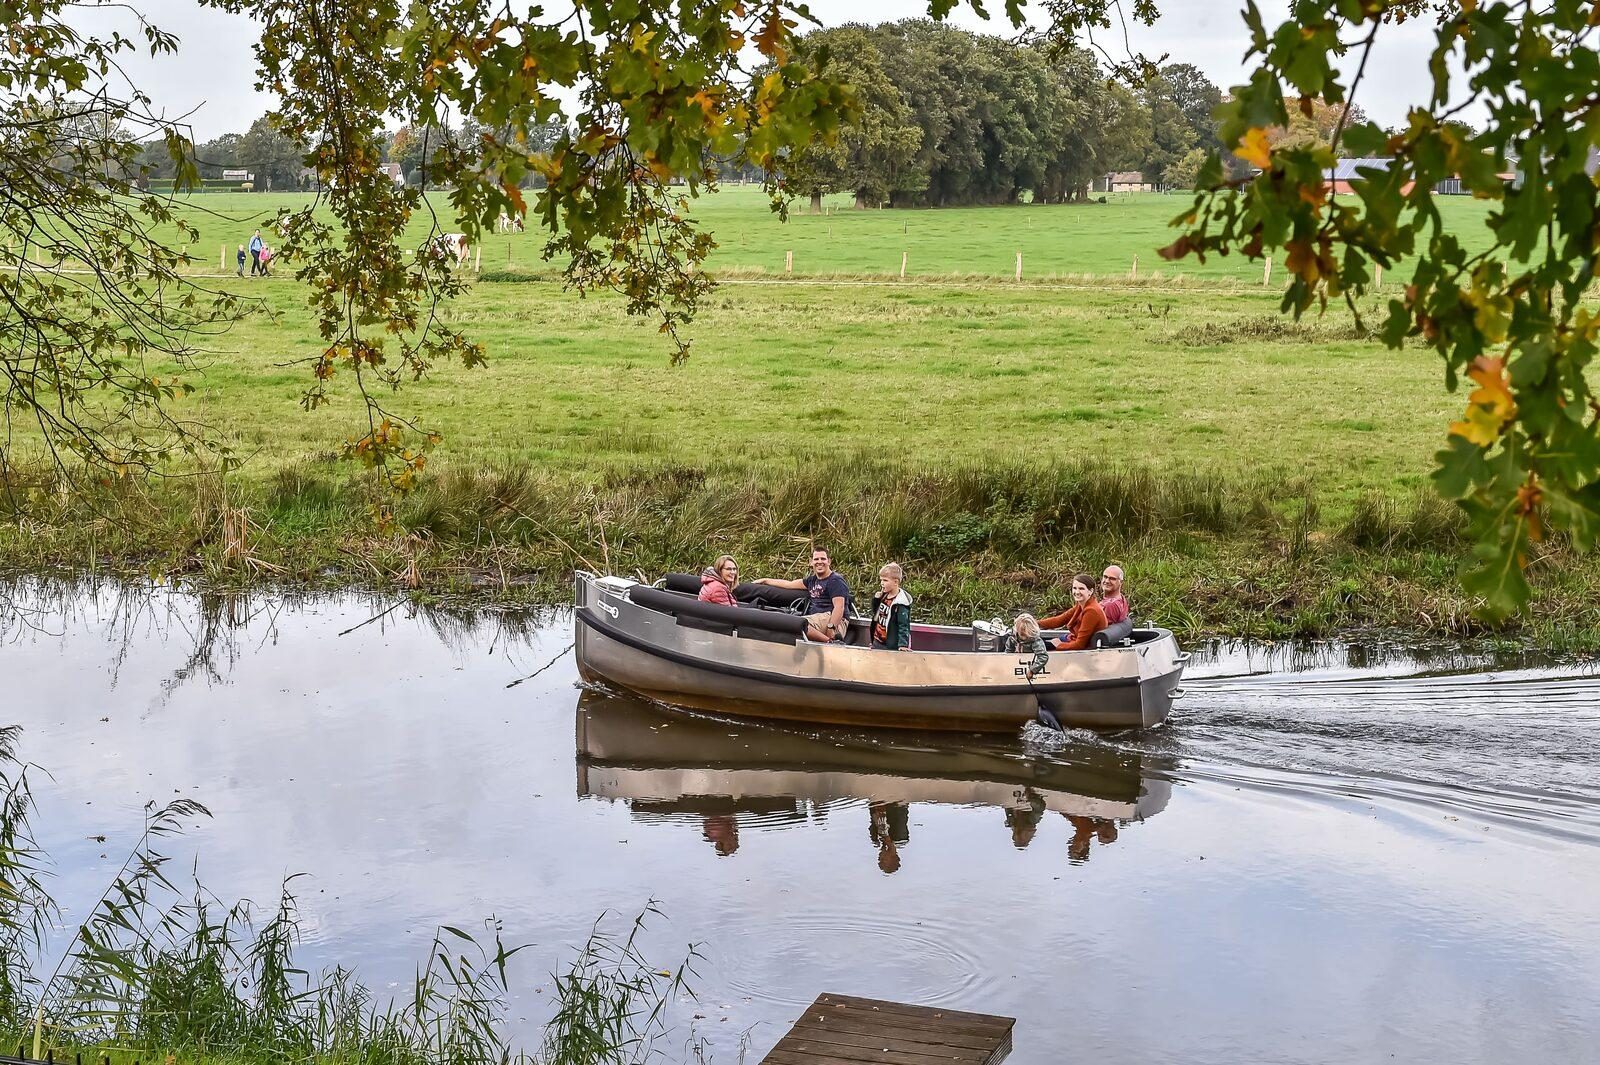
[
  {"x": 477, "y": 263},
  {"x": 1266, "y": 271},
  {"x": 222, "y": 260},
  {"x": 508, "y": 255},
  {"x": 903, "y": 257},
  {"x": 1019, "y": 266},
  {"x": 1377, "y": 282},
  {"x": 1133, "y": 275},
  {"x": 788, "y": 262}
]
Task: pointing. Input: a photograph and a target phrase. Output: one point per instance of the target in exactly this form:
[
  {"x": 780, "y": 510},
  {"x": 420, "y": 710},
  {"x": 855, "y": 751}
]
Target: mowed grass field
[
  {"x": 1181, "y": 369},
  {"x": 1075, "y": 241},
  {"x": 1174, "y": 380}
]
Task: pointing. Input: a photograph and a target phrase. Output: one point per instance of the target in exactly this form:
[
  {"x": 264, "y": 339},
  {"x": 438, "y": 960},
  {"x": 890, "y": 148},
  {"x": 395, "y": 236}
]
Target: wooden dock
[{"x": 844, "y": 1030}]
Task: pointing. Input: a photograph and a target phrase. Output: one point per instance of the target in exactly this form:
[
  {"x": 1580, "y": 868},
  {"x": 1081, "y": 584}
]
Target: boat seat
[
  {"x": 683, "y": 583},
  {"x": 682, "y": 605},
  {"x": 1116, "y": 635},
  {"x": 747, "y": 592}
]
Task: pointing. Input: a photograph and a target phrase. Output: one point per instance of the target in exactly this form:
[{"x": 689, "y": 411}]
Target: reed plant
[
  {"x": 1211, "y": 553},
  {"x": 160, "y": 969}
]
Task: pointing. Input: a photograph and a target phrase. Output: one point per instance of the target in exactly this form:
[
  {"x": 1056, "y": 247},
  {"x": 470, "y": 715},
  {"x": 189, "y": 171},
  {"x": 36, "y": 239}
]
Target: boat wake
[{"x": 1512, "y": 748}]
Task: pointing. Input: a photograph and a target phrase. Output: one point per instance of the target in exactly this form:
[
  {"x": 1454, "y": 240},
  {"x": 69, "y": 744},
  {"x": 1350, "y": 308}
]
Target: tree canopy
[
  {"x": 873, "y": 156},
  {"x": 649, "y": 91},
  {"x": 90, "y": 294},
  {"x": 1505, "y": 307},
  {"x": 951, "y": 117}
]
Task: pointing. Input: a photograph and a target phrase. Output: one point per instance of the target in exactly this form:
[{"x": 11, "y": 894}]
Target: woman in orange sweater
[{"x": 1082, "y": 620}]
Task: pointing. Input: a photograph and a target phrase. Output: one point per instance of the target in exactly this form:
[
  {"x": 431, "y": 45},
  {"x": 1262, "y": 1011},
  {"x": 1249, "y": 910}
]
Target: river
[{"x": 1332, "y": 853}]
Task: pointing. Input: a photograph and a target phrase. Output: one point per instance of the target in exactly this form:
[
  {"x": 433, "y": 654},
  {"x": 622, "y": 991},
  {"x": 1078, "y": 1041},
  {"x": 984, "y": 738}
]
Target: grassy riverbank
[
  {"x": 1257, "y": 476},
  {"x": 1206, "y": 554}
]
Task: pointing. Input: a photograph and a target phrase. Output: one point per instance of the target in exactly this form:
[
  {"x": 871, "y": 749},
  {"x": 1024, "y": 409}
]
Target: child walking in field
[{"x": 240, "y": 260}]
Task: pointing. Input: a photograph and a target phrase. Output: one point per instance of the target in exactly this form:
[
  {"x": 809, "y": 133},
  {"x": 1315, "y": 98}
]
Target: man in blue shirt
[
  {"x": 256, "y": 244},
  {"x": 828, "y": 602}
]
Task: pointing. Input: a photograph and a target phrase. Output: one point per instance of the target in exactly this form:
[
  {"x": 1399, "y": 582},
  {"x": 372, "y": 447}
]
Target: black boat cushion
[
  {"x": 678, "y": 603},
  {"x": 687, "y": 583},
  {"x": 765, "y": 595},
  {"x": 1113, "y": 635}
]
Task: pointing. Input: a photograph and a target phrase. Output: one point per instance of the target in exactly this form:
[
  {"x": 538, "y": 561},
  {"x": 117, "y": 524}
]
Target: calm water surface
[{"x": 1332, "y": 854}]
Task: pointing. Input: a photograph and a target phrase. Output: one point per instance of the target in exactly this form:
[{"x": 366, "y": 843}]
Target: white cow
[{"x": 450, "y": 246}]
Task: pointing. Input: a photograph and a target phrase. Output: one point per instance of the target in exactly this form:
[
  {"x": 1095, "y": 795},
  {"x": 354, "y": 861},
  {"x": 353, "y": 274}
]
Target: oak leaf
[
  {"x": 1254, "y": 149},
  {"x": 1490, "y": 406}
]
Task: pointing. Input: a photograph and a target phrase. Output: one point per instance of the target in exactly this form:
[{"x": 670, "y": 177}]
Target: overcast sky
[{"x": 213, "y": 74}]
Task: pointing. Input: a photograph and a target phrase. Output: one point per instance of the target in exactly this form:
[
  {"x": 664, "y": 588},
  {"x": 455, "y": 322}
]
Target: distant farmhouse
[
  {"x": 1346, "y": 171},
  {"x": 1124, "y": 181}
]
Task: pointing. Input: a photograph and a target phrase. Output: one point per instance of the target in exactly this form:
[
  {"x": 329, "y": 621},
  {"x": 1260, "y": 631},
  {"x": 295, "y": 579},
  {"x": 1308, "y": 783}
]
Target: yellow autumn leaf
[
  {"x": 1254, "y": 149},
  {"x": 1490, "y": 406},
  {"x": 1491, "y": 312}
]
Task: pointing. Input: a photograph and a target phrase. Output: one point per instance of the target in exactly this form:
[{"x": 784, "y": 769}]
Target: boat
[
  {"x": 669, "y": 764},
  {"x": 752, "y": 660}
]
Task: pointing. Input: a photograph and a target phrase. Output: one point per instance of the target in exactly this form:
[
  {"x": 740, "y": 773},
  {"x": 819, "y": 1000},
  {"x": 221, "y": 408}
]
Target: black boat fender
[{"x": 738, "y": 617}]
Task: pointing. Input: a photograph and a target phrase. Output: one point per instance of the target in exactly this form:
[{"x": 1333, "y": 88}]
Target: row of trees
[
  {"x": 952, "y": 117},
  {"x": 278, "y": 162},
  {"x": 949, "y": 117},
  {"x": 275, "y": 159}
]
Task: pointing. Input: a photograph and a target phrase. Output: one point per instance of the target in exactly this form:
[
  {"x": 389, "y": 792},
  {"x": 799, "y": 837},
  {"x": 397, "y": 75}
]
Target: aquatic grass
[
  {"x": 612, "y": 1001},
  {"x": 157, "y": 970},
  {"x": 977, "y": 537}
]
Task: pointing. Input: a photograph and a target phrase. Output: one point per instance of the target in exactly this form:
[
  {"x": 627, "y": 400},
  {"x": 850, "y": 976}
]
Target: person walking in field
[
  {"x": 240, "y": 260},
  {"x": 266, "y": 261},
  {"x": 256, "y": 244}
]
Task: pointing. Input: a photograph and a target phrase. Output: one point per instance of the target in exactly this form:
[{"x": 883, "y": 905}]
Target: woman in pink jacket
[{"x": 717, "y": 581}]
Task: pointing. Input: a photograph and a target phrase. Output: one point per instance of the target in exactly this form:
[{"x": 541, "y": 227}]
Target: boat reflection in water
[{"x": 672, "y": 765}]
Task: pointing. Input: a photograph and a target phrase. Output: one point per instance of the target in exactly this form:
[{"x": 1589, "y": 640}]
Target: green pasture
[
  {"x": 1172, "y": 379},
  {"x": 1261, "y": 476},
  {"x": 1173, "y": 372},
  {"x": 1055, "y": 240}
]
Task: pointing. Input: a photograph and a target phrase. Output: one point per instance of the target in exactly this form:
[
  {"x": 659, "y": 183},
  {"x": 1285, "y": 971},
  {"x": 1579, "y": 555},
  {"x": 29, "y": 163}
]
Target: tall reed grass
[
  {"x": 161, "y": 969},
  {"x": 1236, "y": 554}
]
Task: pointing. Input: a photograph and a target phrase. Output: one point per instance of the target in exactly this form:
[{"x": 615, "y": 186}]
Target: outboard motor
[{"x": 988, "y": 636}]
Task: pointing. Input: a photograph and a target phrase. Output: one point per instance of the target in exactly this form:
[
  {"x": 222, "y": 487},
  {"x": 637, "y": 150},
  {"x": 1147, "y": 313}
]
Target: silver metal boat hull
[{"x": 670, "y": 658}]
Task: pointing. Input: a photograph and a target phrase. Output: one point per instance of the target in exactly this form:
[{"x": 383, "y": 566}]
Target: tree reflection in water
[{"x": 213, "y": 627}]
